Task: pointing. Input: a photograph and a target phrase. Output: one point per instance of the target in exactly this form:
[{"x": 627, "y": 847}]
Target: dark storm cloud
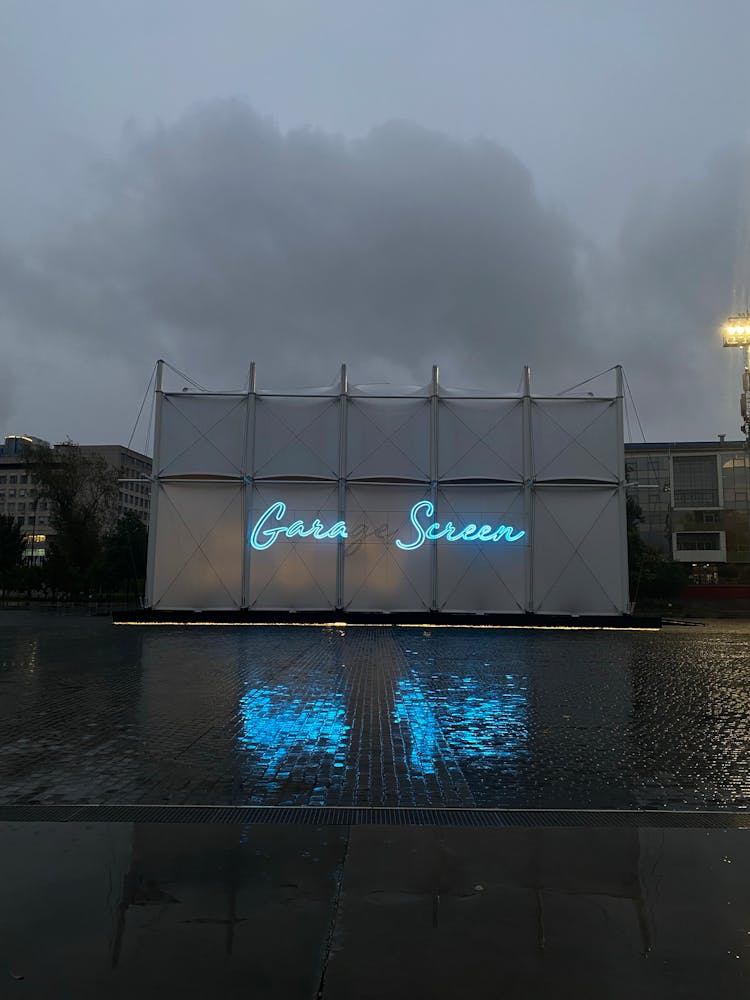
[
  {"x": 221, "y": 239},
  {"x": 660, "y": 297}
]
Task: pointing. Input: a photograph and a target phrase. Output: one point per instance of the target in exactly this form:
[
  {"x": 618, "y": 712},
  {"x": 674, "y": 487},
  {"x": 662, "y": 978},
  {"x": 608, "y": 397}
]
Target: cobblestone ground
[{"x": 90, "y": 712}]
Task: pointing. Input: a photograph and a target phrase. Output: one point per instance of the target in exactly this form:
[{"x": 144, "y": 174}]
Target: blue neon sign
[
  {"x": 471, "y": 533},
  {"x": 265, "y": 533},
  {"x": 296, "y": 529}
]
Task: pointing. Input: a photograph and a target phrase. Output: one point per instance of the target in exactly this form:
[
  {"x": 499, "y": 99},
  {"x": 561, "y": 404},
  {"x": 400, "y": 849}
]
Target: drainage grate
[{"x": 365, "y": 815}]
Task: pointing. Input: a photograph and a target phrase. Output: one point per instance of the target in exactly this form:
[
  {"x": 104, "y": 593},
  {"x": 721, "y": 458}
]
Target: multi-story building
[
  {"x": 19, "y": 498},
  {"x": 135, "y": 476},
  {"x": 694, "y": 498}
]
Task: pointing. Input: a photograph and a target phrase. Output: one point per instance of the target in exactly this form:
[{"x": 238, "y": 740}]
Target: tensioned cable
[
  {"x": 652, "y": 463},
  {"x": 635, "y": 408},
  {"x": 186, "y": 377},
  {"x": 150, "y": 421},
  {"x": 143, "y": 403},
  {"x": 579, "y": 384},
  {"x": 130, "y": 441},
  {"x": 627, "y": 417}
]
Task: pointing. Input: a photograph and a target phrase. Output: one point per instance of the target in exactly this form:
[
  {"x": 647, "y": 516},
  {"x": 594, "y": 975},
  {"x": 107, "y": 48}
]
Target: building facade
[
  {"x": 135, "y": 477},
  {"x": 694, "y": 500},
  {"x": 19, "y": 496}
]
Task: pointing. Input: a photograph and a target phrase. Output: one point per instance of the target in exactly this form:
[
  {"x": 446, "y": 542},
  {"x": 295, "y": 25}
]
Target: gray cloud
[
  {"x": 662, "y": 293},
  {"x": 221, "y": 239}
]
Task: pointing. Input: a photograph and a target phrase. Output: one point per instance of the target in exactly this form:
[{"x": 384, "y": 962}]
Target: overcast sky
[{"x": 391, "y": 184}]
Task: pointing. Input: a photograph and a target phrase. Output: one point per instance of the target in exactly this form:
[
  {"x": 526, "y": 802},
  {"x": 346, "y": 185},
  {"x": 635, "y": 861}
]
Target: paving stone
[{"x": 372, "y": 716}]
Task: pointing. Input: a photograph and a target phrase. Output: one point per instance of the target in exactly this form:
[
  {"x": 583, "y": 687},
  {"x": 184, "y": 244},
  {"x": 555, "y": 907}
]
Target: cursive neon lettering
[
  {"x": 486, "y": 534},
  {"x": 263, "y": 537},
  {"x": 426, "y": 506},
  {"x": 434, "y": 532},
  {"x": 470, "y": 533},
  {"x": 266, "y": 532},
  {"x": 276, "y": 510},
  {"x": 507, "y": 531}
]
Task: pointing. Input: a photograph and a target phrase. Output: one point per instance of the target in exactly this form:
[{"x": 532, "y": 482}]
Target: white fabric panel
[
  {"x": 198, "y": 562},
  {"x": 375, "y": 389},
  {"x": 576, "y": 551},
  {"x": 202, "y": 435},
  {"x": 575, "y": 439},
  {"x": 388, "y": 438},
  {"x": 294, "y": 572},
  {"x": 461, "y": 392},
  {"x": 480, "y": 439},
  {"x": 482, "y": 576},
  {"x": 296, "y": 437},
  {"x": 378, "y": 576},
  {"x": 332, "y": 389}
]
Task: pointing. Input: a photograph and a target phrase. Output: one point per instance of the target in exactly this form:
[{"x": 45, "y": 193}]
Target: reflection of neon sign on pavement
[
  {"x": 265, "y": 533},
  {"x": 476, "y": 722},
  {"x": 277, "y": 722}
]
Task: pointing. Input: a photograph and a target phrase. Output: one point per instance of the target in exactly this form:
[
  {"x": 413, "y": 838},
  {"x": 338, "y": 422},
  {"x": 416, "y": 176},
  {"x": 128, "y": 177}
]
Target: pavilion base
[{"x": 414, "y": 619}]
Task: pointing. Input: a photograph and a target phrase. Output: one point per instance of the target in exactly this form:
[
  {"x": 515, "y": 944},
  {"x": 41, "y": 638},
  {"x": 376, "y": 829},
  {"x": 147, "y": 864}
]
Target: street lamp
[{"x": 736, "y": 333}]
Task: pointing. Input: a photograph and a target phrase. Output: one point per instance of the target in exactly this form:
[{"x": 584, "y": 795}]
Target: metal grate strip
[{"x": 365, "y": 815}]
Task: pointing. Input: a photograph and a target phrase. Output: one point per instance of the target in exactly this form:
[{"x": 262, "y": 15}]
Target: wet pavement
[
  {"x": 96, "y": 713},
  {"x": 591, "y": 904},
  {"x": 162, "y": 910}
]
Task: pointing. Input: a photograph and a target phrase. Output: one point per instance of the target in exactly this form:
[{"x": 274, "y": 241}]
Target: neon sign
[
  {"x": 471, "y": 533},
  {"x": 296, "y": 529},
  {"x": 265, "y": 533}
]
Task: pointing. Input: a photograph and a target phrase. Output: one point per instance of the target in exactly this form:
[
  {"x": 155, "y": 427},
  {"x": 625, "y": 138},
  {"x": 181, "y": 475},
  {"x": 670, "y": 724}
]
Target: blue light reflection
[
  {"x": 465, "y": 720},
  {"x": 278, "y": 723}
]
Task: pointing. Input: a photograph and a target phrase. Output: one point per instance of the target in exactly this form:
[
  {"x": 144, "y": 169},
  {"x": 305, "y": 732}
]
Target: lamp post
[{"x": 736, "y": 333}]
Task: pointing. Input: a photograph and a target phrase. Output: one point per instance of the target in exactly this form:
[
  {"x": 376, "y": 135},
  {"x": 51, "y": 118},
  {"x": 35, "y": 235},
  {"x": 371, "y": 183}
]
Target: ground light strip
[{"x": 426, "y": 626}]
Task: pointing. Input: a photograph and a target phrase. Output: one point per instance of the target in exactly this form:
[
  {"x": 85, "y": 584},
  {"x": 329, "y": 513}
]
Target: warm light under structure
[{"x": 379, "y": 499}]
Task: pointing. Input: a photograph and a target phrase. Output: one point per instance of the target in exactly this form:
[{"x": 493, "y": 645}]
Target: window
[
  {"x": 2, "y": 479},
  {"x": 696, "y": 481},
  {"x": 698, "y": 541},
  {"x": 22, "y": 479},
  {"x": 12, "y": 479}
]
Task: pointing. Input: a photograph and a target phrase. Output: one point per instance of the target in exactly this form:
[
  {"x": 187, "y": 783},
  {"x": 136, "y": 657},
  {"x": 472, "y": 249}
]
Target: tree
[
  {"x": 12, "y": 544},
  {"x": 82, "y": 491},
  {"x": 124, "y": 554},
  {"x": 652, "y": 575}
]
